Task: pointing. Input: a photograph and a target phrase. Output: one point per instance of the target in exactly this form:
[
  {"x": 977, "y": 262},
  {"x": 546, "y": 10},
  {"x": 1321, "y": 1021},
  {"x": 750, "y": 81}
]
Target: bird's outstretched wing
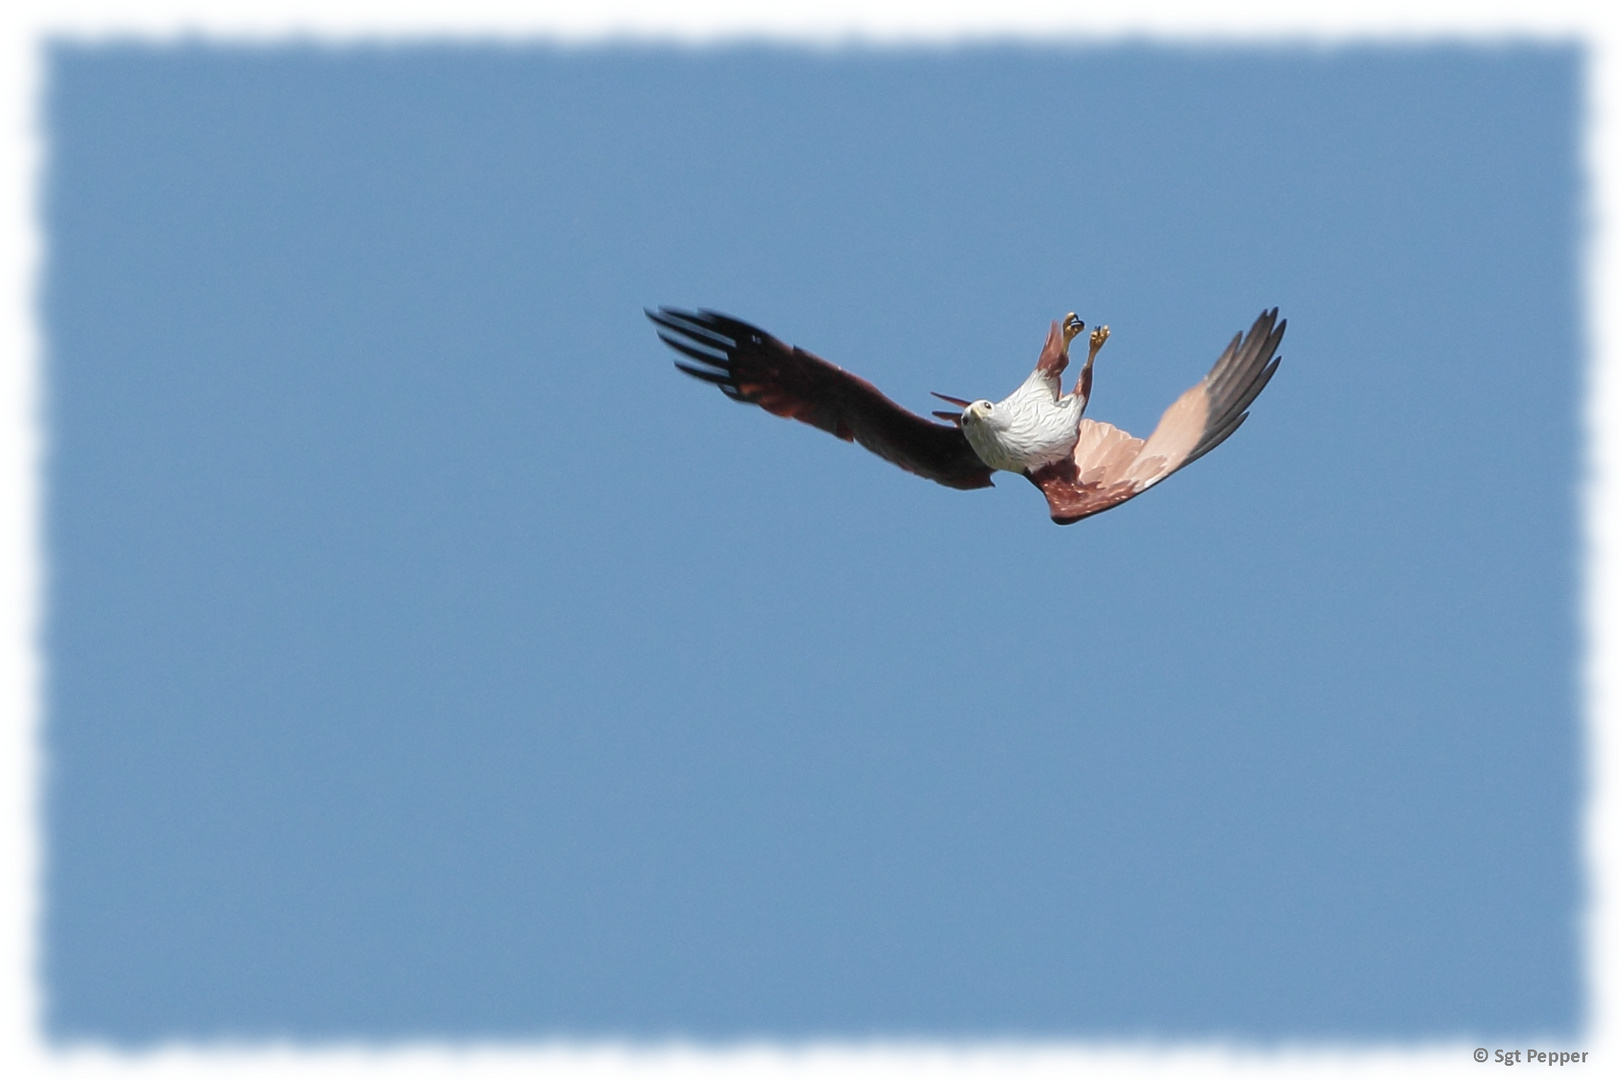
[
  {"x": 751, "y": 366},
  {"x": 1109, "y": 465}
]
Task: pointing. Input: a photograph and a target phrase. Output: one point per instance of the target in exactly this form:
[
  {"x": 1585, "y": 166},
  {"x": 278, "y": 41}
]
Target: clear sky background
[{"x": 427, "y": 658}]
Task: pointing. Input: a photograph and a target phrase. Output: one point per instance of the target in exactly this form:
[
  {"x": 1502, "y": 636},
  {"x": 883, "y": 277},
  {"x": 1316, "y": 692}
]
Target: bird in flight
[{"x": 1082, "y": 466}]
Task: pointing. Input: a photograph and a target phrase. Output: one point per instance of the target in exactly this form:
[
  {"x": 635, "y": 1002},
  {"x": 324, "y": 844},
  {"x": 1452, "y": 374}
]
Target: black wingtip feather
[
  {"x": 1253, "y": 390},
  {"x": 1211, "y": 442},
  {"x": 718, "y": 378},
  {"x": 701, "y": 357},
  {"x": 681, "y": 323}
]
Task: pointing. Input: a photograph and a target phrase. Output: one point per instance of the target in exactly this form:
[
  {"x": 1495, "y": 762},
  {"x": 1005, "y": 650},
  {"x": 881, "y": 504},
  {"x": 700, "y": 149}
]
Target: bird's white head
[{"x": 979, "y": 412}]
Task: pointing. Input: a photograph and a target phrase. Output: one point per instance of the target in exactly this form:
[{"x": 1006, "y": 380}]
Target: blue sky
[{"x": 426, "y": 658}]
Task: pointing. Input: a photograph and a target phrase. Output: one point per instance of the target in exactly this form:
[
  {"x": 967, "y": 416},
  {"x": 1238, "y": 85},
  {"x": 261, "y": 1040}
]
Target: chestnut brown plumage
[
  {"x": 1106, "y": 467},
  {"x": 749, "y": 365},
  {"x": 1109, "y": 466}
]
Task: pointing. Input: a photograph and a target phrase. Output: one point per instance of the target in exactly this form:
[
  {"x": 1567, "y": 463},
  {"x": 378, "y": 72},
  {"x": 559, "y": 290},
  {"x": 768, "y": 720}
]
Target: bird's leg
[
  {"x": 1082, "y": 386},
  {"x": 1055, "y": 354}
]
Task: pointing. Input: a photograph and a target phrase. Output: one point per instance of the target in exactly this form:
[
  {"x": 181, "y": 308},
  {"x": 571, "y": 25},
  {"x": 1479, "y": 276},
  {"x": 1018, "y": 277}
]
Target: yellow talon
[
  {"x": 1072, "y": 326},
  {"x": 1098, "y": 336}
]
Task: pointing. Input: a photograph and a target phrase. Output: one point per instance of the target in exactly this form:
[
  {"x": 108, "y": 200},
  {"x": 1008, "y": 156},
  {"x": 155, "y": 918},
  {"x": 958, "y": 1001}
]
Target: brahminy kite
[{"x": 1083, "y": 467}]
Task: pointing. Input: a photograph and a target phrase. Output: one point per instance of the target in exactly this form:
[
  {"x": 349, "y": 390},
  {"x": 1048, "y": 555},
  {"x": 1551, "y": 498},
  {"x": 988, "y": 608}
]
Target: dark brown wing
[
  {"x": 1109, "y": 466},
  {"x": 751, "y": 366}
]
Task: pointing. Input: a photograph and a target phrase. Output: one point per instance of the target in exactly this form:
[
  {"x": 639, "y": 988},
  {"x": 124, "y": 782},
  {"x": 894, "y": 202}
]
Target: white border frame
[{"x": 23, "y": 32}]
